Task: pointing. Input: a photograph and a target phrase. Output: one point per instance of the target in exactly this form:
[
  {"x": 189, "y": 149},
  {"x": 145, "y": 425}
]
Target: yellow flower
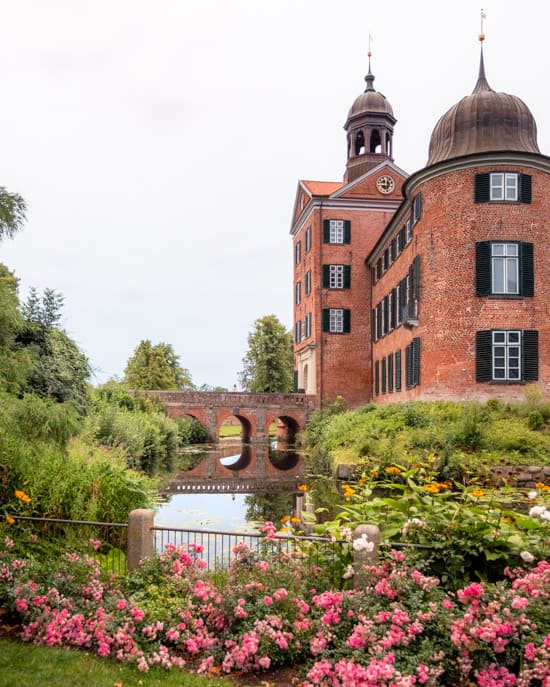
[
  {"x": 22, "y": 496},
  {"x": 9, "y": 520},
  {"x": 392, "y": 470},
  {"x": 285, "y": 518},
  {"x": 478, "y": 492},
  {"x": 302, "y": 487},
  {"x": 374, "y": 473},
  {"x": 284, "y": 529},
  {"x": 432, "y": 488},
  {"x": 295, "y": 520},
  {"x": 348, "y": 491}
]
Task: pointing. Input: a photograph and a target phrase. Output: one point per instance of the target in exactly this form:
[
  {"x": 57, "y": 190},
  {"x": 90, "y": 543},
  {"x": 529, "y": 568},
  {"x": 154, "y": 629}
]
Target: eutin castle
[{"x": 434, "y": 285}]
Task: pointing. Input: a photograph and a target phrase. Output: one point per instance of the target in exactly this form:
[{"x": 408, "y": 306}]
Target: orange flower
[
  {"x": 392, "y": 470},
  {"x": 22, "y": 496},
  {"x": 432, "y": 488},
  {"x": 9, "y": 520},
  {"x": 295, "y": 520},
  {"x": 302, "y": 487},
  {"x": 285, "y": 518},
  {"x": 478, "y": 492}
]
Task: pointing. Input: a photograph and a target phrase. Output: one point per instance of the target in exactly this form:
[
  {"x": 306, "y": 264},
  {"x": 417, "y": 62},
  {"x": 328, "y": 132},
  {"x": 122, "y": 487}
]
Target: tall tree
[
  {"x": 268, "y": 364},
  {"x": 156, "y": 368},
  {"x": 14, "y": 361},
  {"x": 13, "y": 211}
]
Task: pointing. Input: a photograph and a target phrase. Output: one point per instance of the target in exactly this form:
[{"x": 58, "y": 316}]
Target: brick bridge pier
[{"x": 256, "y": 412}]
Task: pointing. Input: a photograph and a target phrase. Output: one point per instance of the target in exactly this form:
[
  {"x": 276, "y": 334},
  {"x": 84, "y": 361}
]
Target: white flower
[
  {"x": 545, "y": 515},
  {"x": 410, "y": 523},
  {"x": 536, "y": 510},
  {"x": 349, "y": 572},
  {"x": 345, "y": 533},
  {"x": 532, "y": 495},
  {"x": 527, "y": 557},
  {"x": 362, "y": 543}
]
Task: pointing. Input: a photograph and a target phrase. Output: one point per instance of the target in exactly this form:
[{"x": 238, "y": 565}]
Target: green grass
[
  {"x": 34, "y": 666},
  {"x": 230, "y": 430}
]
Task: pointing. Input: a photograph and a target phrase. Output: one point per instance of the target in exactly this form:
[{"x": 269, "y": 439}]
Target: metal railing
[
  {"x": 218, "y": 546},
  {"x": 105, "y": 541}
]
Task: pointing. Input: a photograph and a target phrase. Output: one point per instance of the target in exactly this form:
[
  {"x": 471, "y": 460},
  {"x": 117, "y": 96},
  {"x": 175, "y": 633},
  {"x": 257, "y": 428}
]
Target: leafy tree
[
  {"x": 59, "y": 368},
  {"x": 14, "y": 363},
  {"x": 12, "y": 213},
  {"x": 156, "y": 368},
  {"x": 268, "y": 364}
]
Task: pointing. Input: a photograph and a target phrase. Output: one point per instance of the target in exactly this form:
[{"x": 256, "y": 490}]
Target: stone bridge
[{"x": 256, "y": 412}]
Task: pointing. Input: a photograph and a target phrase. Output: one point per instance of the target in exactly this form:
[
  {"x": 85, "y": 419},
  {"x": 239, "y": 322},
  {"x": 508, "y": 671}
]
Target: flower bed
[{"x": 402, "y": 628}]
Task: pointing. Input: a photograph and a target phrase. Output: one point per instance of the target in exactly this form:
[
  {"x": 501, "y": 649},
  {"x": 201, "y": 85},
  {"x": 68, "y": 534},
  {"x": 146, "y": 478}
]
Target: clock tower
[{"x": 369, "y": 129}]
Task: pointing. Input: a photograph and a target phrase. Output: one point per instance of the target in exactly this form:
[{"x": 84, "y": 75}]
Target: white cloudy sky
[{"x": 158, "y": 144}]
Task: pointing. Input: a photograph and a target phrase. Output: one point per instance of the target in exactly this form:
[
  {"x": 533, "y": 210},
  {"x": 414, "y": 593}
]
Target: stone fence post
[
  {"x": 365, "y": 544},
  {"x": 140, "y": 536}
]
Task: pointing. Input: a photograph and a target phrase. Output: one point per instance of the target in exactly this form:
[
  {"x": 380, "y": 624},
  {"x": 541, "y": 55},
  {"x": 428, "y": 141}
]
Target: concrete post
[
  {"x": 366, "y": 543},
  {"x": 140, "y": 536}
]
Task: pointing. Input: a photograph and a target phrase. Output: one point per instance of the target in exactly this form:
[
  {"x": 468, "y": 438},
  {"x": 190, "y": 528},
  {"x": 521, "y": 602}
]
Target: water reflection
[{"x": 232, "y": 486}]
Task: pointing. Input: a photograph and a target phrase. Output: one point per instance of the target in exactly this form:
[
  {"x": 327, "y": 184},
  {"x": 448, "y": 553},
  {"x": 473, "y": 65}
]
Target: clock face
[{"x": 385, "y": 184}]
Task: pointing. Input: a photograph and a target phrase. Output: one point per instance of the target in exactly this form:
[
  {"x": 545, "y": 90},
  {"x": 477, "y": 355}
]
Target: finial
[
  {"x": 482, "y": 84},
  {"x": 481, "y": 34},
  {"x": 369, "y": 78}
]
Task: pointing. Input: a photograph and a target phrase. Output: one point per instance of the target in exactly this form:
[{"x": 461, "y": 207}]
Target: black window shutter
[
  {"x": 377, "y": 377},
  {"x": 415, "y": 361},
  {"x": 295, "y": 381},
  {"x": 383, "y": 375},
  {"x": 398, "y": 370},
  {"x": 347, "y": 231},
  {"x": 347, "y": 276},
  {"x": 527, "y": 270},
  {"x": 326, "y": 319},
  {"x": 482, "y": 188},
  {"x": 326, "y": 231},
  {"x": 390, "y": 372},
  {"x": 483, "y": 268},
  {"x": 408, "y": 366},
  {"x": 379, "y": 320},
  {"x": 417, "y": 207},
  {"x": 484, "y": 355},
  {"x": 347, "y": 318},
  {"x": 326, "y": 276},
  {"x": 373, "y": 325},
  {"x": 416, "y": 272},
  {"x": 525, "y": 188},
  {"x": 393, "y": 314},
  {"x": 530, "y": 355},
  {"x": 386, "y": 307}
]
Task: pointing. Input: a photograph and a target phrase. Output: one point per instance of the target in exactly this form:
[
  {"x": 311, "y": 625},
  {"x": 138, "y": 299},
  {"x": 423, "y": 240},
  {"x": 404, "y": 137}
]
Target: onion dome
[
  {"x": 370, "y": 101},
  {"x": 485, "y": 121}
]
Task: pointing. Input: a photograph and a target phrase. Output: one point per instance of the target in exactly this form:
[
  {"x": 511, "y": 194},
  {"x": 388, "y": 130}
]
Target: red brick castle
[{"x": 432, "y": 286}]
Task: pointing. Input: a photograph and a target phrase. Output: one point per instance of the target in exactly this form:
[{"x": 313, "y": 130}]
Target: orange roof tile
[{"x": 322, "y": 188}]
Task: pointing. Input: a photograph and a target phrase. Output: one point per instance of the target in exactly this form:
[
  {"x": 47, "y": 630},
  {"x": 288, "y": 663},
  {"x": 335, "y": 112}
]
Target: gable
[{"x": 373, "y": 183}]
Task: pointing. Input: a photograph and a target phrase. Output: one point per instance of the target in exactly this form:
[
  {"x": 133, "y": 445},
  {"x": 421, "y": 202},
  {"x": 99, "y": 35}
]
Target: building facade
[{"x": 433, "y": 286}]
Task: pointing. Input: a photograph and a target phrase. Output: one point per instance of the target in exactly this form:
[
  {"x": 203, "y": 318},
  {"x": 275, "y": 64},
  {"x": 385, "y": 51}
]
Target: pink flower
[
  {"x": 121, "y": 604},
  {"x": 262, "y": 566},
  {"x": 137, "y": 614},
  {"x": 95, "y": 543},
  {"x": 268, "y": 601}
]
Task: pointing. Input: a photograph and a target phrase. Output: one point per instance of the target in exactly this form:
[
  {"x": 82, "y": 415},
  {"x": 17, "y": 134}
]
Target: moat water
[{"x": 231, "y": 486}]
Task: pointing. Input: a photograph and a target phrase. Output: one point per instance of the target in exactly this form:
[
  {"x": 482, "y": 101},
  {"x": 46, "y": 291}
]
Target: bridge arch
[
  {"x": 287, "y": 427},
  {"x": 248, "y": 425}
]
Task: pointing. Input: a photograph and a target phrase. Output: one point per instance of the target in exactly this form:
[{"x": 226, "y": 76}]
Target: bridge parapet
[{"x": 232, "y": 399}]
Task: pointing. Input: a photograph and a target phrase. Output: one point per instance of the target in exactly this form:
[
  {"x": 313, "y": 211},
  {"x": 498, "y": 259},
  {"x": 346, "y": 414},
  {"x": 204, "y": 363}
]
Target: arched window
[
  {"x": 360, "y": 143},
  {"x": 375, "y": 142}
]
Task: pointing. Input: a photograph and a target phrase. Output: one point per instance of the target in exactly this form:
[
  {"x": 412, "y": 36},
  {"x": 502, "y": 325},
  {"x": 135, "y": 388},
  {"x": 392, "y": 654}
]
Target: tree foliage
[
  {"x": 156, "y": 368},
  {"x": 268, "y": 364},
  {"x": 13, "y": 211}
]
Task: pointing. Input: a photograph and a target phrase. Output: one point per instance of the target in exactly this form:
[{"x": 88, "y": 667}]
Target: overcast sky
[{"x": 158, "y": 145}]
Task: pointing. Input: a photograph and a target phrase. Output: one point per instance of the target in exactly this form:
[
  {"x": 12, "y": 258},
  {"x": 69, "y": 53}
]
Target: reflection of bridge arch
[
  {"x": 256, "y": 412},
  {"x": 253, "y": 472}
]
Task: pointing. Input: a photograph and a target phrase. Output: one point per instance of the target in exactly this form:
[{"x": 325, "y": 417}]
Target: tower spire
[
  {"x": 369, "y": 78},
  {"x": 482, "y": 83}
]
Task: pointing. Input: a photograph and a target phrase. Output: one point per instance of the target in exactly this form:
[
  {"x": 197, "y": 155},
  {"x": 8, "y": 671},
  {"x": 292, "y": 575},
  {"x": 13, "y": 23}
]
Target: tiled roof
[{"x": 322, "y": 188}]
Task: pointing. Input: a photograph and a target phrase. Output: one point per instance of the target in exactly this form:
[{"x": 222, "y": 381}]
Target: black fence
[{"x": 107, "y": 542}]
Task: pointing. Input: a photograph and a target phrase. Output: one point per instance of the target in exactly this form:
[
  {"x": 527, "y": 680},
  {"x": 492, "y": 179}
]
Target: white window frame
[
  {"x": 298, "y": 253},
  {"x": 298, "y": 294},
  {"x": 506, "y": 359},
  {"x": 506, "y": 255},
  {"x": 336, "y": 231},
  {"x": 307, "y": 240},
  {"x": 336, "y": 320},
  {"x": 504, "y": 186},
  {"x": 336, "y": 277}
]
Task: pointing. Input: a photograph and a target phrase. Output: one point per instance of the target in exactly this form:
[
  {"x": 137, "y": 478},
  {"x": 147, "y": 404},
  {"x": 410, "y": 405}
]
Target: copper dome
[
  {"x": 370, "y": 100},
  {"x": 485, "y": 121}
]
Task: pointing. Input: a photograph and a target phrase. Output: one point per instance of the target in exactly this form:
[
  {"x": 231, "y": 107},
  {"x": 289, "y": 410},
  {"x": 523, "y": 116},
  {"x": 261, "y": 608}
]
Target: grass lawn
[{"x": 35, "y": 666}]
